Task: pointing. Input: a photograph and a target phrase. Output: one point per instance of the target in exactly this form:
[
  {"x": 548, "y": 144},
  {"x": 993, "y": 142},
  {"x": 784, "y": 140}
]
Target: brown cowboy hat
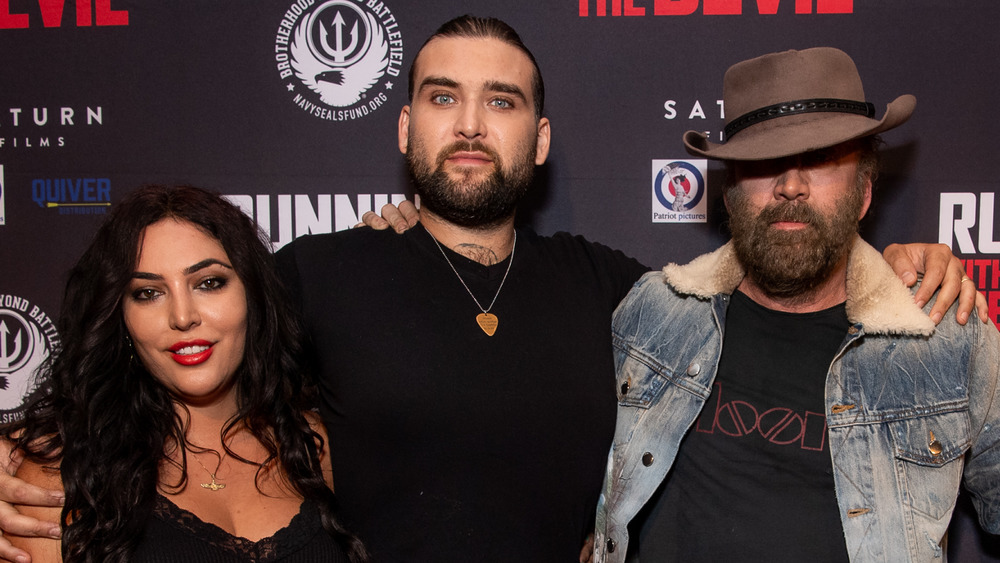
[{"x": 794, "y": 102}]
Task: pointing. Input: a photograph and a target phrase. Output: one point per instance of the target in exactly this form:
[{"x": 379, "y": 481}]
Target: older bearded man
[{"x": 783, "y": 398}]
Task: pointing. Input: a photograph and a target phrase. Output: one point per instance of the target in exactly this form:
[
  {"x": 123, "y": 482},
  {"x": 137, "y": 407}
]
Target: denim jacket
[{"x": 912, "y": 411}]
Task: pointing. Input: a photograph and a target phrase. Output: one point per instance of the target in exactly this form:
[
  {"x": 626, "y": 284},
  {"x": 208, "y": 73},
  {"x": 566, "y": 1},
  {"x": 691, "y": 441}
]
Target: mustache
[
  {"x": 790, "y": 211},
  {"x": 467, "y": 146}
]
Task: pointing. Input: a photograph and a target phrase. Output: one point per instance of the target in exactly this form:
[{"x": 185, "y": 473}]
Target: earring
[{"x": 131, "y": 350}]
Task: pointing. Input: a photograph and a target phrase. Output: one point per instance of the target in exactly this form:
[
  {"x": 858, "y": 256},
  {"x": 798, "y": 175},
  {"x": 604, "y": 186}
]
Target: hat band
[{"x": 794, "y": 108}]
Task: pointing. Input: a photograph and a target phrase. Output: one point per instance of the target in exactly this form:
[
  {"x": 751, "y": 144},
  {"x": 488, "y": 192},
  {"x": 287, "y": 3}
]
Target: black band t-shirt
[{"x": 753, "y": 478}]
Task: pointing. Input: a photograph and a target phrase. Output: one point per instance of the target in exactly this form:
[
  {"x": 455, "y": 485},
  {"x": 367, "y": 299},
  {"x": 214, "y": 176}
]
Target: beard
[
  {"x": 791, "y": 263},
  {"x": 466, "y": 201}
]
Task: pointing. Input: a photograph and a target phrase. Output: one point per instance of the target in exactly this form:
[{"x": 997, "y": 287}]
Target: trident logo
[
  {"x": 6, "y": 359},
  {"x": 339, "y": 53}
]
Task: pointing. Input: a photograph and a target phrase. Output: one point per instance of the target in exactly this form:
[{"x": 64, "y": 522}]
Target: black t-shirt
[
  {"x": 448, "y": 444},
  {"x": 753, "y": 479}
]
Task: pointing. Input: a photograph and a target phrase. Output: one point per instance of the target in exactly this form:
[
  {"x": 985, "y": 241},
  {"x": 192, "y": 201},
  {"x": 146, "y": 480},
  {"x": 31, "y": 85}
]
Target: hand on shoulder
[{"x": 41, "y": 549}]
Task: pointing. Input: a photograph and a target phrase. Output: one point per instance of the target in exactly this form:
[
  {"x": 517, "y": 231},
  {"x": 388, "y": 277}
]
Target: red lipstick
[{"x": 191, "y": 353}]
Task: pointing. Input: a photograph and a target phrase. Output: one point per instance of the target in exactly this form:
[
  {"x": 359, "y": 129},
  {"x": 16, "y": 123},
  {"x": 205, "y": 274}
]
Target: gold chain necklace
[
  {"x": 214, "y": 486},
  {"x": 486, "y": 320}
]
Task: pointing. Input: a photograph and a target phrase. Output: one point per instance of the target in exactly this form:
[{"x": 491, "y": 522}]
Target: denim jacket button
[
  {"x": 647, "y": 459},
  {"x": 935, "y": 448},
  {"x": 611, "y": 546},
  {"x": 625, "y": 387},
  {"x": 694, "y": 369}
]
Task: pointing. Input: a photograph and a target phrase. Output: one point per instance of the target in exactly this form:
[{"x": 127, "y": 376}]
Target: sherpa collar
[{"x": 876, "y": 298}]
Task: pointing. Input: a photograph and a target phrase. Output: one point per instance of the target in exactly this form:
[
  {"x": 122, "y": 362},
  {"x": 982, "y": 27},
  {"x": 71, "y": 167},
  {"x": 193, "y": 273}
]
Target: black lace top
[{"x": 175, "y": 534}]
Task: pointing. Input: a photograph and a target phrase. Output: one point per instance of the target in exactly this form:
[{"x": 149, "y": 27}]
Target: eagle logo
[
  {"x": 22, "y": 350},
  {"x": 336, "y": 59}
]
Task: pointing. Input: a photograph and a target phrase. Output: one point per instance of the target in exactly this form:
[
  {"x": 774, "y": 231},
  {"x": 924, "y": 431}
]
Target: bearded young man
[
  {"x": 464, "y": 366},
  {"x": 783, "y": 398}
]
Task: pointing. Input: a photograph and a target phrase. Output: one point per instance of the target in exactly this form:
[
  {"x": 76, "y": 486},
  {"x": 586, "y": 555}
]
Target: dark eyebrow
[
  {"x": 187, "y": 271},
  {"x": 204, "y": 264},
  {"x": 438, "y": 81},
  {"x": 506, "y": 88},
  {"x": 491, "y": 86}
]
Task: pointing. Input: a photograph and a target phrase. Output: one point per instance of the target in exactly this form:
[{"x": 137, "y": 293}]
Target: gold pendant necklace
[
  {"x": 486, "y": 320},
  {"x": 214, "y": 486}
]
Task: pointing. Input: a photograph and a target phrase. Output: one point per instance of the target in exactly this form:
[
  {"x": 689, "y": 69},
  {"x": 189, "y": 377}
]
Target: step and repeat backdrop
[{"x": 290, "y": 108}]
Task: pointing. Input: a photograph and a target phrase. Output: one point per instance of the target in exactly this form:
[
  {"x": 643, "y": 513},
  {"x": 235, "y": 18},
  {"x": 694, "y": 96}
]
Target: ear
[
  {"x": 731, "y": 171},
  {"x": 542, "y": 141},
  {"x": 403, "y": 131},
  {"x": 867, "y": 198}
]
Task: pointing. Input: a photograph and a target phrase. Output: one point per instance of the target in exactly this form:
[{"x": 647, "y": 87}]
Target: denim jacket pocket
[
  {"x": 639, "y": 382},
  {"x": 929, "y": 452}
]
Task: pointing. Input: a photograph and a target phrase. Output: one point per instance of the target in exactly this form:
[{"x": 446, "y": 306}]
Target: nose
[
  {"x": 184, "y": 314},
  {"x": 470, "y": 123},
  {"x": 792, "y": 184}
]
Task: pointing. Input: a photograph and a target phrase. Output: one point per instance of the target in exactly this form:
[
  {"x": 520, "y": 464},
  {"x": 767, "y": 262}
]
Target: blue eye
[{"x": 442, "y": 99}]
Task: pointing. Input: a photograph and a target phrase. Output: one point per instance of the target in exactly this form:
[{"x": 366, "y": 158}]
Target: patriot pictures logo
[
  {"x": 338, "y": 58},
  {"x": 27, "y": 337},
  {"x": 679, "y": 191}
]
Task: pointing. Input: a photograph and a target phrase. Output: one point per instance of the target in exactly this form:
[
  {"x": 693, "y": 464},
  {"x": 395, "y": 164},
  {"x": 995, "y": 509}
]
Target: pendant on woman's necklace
[
  {"x": 213, "y": 485},
  {"x": 487, "y": 321}
]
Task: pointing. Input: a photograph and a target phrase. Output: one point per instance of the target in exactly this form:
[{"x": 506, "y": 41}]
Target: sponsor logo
[
  {"x": 711, "y": 7},
  {"x": 958, "y": 218},
  {"x": 338, "y": 58},
  {"x": 679, "y": 191},
  {"x": 985, "y": 272},
  {"x": 698, "y": 113},
  {"x": 296, "y": 215},
  {"x": 25, "y": 120},
  {"x": 73, "y": 196},
  {"x": 962, "y": 215},
  {"x": 88, "y": 12},
  {"x": 27, "y": 337},
  {"x": 3, "y": 194}
]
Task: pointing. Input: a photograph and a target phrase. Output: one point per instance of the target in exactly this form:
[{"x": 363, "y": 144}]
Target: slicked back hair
[{"x": 475, "y": 27}]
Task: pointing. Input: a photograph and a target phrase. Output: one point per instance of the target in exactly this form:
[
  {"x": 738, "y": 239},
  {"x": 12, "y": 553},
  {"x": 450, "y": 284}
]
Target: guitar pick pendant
[{"x": 488, "y": 322}]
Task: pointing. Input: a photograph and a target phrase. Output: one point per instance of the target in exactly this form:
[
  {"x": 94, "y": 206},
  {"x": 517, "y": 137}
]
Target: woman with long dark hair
[{"x": 175, "y": 415}]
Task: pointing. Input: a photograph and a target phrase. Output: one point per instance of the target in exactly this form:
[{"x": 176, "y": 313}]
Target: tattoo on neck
[{"x": 480, "y": 254}]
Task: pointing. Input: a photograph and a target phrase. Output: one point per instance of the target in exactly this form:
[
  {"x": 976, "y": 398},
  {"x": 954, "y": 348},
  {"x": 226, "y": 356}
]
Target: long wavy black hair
[{"x": 107, "y": 422}]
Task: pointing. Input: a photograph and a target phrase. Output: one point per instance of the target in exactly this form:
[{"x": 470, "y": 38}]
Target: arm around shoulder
[
  {"x": 42, "y": 550},
  {"x": 982, "y": 472}
]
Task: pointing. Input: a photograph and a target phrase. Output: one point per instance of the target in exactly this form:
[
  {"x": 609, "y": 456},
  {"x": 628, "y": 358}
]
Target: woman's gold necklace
[{"x": 214, "y": 485}]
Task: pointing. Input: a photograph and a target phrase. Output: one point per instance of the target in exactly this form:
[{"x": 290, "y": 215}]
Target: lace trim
[{"x": 299, "y": 531}]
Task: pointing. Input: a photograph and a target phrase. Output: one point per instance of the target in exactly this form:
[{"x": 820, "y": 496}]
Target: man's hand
[
  {"x": 15, "y": 491},
  {"x": 587, "y": 553},
  {"x": 399, "y": 218},
  {"x": 940, "y": 268}
]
